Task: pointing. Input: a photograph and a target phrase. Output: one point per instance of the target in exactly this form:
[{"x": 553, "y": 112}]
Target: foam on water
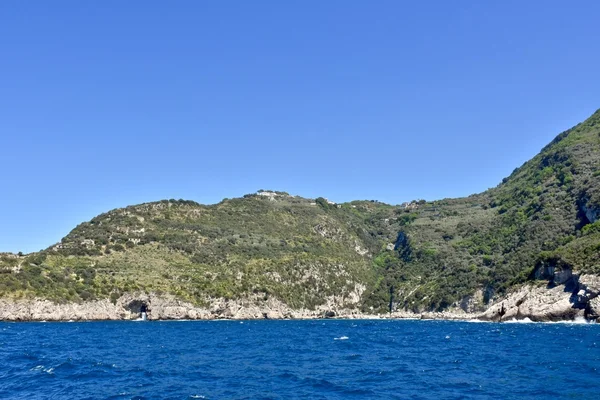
[
  {"x": 42, "y": 368},
  {"x": 577, "y": 321},
  {"x": 519, "y": 321}
]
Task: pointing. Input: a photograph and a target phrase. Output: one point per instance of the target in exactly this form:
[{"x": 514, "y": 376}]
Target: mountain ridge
[{"x": 427, "y": 256}]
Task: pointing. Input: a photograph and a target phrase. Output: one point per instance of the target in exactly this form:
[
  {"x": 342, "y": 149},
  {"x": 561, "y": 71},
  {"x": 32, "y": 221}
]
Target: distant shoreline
[
  {"x": 530, "y": 303},
  {"x": 469, "y": 320},
  {"x": 404, "y": 316}
]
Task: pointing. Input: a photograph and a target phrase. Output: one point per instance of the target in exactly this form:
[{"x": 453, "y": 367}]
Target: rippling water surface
[{"x": 334, "y": 359}]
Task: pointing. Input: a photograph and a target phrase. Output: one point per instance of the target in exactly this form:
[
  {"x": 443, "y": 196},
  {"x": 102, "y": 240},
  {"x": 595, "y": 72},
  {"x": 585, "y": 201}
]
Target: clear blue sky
[{"x": 109, "y": 103}]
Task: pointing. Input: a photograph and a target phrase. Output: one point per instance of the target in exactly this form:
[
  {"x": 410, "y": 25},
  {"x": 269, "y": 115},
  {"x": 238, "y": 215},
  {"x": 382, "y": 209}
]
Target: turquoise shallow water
[{"x": 333, "y": 359}]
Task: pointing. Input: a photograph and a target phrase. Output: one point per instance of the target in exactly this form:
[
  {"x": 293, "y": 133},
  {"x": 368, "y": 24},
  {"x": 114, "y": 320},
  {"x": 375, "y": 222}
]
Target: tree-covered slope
[
  {"x": 305, "y": 252},
  {"x": 543, "y": 212}
]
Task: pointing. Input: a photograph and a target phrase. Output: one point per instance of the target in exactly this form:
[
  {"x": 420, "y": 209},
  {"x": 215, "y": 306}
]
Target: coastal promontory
[{"x": 527, "y": 248}]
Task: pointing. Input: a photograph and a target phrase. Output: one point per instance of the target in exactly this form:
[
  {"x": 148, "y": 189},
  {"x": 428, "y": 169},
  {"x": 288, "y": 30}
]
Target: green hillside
[
  {"x": 496, "y": 239},
  {"x": 303, "y": 251},
  {"x": 274, "y": 245}
]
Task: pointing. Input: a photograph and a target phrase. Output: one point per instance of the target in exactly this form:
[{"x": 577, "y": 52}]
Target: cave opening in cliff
[{"x": 139, "y": 307}]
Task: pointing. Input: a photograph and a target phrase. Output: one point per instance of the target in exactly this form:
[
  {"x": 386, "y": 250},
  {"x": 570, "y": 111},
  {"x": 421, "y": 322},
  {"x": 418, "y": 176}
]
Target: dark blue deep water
[{"x": 334, "y": 359}]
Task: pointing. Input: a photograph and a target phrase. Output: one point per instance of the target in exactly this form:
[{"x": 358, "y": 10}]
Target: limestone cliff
[
  {"x": 575, "y": 298},
  {"x": 541, "y": 301}
]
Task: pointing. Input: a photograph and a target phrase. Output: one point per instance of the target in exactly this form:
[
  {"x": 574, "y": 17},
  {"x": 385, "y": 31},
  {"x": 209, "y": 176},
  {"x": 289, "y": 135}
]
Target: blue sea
[{"x": 317, "y": 359}]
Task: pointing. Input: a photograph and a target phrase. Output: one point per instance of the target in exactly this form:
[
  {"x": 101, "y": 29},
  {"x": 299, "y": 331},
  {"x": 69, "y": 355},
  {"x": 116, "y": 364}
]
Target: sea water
[{"x": 316, "y": 359}]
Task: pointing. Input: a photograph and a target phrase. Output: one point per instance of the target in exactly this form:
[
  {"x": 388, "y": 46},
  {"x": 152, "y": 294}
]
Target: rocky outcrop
[
  {"x": 591, "y": 212},
  {"x": 557, "y": 294},
  {"x": 575, "y": 298},
  {"x": 534, "y": 303},
  {"x": 588, "y": 295},
  {"x": 555, "y": 271},
  {"x": 403, "y": 246}
]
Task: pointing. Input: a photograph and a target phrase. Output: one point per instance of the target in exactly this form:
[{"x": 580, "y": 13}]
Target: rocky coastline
[
  {"x": 558, "y": 295},
  {"x": 574, "y": 299},
  {"x": 161, "y": 308}
]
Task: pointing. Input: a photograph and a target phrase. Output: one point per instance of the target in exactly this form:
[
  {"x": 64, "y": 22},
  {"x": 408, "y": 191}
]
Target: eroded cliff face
[
  {"x": 538, "y": 301},
  {"x": 541, "y": 301},
  {"x": 558, "y": 294},
  {"x": 591, "y": 211},
  {"x": 166, "y": 307}
]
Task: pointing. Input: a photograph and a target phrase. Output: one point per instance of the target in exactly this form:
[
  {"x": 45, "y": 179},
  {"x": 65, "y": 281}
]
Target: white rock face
[
  {"x": 579, "y": 298},
  {"x": 165, "y": 307}
]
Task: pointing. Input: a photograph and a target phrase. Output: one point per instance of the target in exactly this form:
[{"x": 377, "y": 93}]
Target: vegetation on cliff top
[{"x": 303, "y": 251}]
